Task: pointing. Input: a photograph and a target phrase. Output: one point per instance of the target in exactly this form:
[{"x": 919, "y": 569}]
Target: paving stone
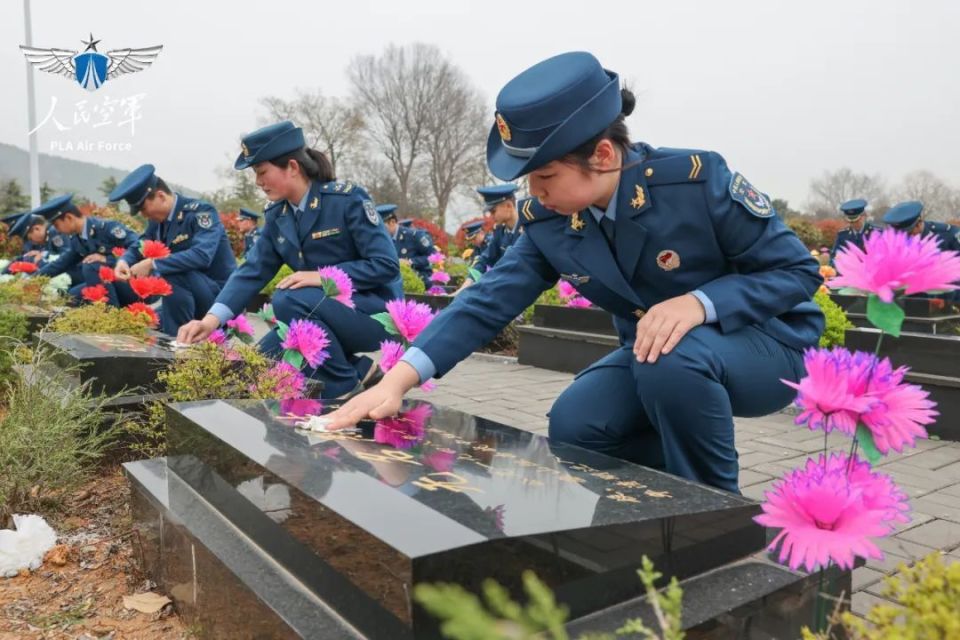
[
  {"x": 862, "y": 602},
  {"x": 749, "y": 477},
  {"x": 904, "y": 548},
  {"x": 863, "y": 577},
  {"x": 940, "y": 534},
  {"x": 936, "y": 509}
]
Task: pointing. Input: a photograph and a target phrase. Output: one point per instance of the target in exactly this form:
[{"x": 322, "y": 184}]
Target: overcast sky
[{"x": 782, "y": 89}]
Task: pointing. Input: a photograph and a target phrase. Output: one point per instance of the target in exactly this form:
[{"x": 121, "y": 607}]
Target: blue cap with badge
[
  {"x": 56, "y": 207},
  {"x": 387, "y": 211},
  {"x": 135, "y": 188},
  {"x": 249, "y": 214},
  {"x": 904, "y": 215},
  {"x": 853, "y": 209},
  {"x": 549, "y": 110},
  {"x": 495, "y": 194},
  {"x": 472, "y": 229},
  {"x": 23, "y": 224},
  {"x": 269, "y": 143}
]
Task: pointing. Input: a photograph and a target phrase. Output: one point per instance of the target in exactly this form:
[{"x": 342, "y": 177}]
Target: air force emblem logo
[{"x": 91, "y": 68}]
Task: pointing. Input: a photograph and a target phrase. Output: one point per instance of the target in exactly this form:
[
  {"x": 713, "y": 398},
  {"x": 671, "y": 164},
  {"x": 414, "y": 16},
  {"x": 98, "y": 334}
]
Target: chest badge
[
  {"x": 668, "y": 260},
  {"x": 639, "y": 199},
  {"x": 576, "y": 223},
  {"x": 315, "y": 202}
]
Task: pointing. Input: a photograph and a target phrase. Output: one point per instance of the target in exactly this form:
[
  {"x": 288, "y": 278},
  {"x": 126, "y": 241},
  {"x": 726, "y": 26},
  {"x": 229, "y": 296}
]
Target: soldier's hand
[
  {"x": 94, "y": 257},
  {"x": 142, "y": 268},
  {"x": 34, "y": 255},
  {"x": 664, "y": 324},
  {"x": 301, "y": 279},
  {"x": 197, "y": 330},
  {"x": 122, "y": 270},
  {"x": 380, "y": 401}
]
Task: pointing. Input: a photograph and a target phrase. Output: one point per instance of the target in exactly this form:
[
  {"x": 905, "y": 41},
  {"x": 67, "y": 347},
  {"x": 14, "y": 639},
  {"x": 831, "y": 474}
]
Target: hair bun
[{"x": 628, "y": 100}]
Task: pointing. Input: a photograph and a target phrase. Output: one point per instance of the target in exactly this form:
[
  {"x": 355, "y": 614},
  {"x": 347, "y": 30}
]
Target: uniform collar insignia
[
  {"x": 639, "y": 199},
  {"x": 576, "y": 223}
]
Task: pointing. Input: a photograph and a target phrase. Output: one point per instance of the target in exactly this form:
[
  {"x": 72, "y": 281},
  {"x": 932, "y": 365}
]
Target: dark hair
[
  {"x": 162, "y": 186},
  {"x": 73, "y": 210},
  {"x": 314, "y": 163},
  {"x": 616, "y": 132}
]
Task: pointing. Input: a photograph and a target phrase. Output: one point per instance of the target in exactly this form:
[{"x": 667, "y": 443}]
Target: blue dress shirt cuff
[
  {"x": 421, "y": 362},
  {"x": 710, "y": 311},
  {"x": 222, "y": 312}
]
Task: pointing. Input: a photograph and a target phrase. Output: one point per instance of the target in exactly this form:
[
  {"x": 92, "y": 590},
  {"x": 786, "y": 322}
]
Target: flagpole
[{"x": 31, "y": 113}]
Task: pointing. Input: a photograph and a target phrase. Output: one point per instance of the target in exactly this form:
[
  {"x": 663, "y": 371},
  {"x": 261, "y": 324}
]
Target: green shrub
[
  {"x": 14, "y": 332},
  {"x": 834, "y": 334},
  {"x": 808, "y": 232},
  {"x": 49, "y": 442},
  {"x": 272, "y": 285},
  {"x": 21, "y": 290},
  {"x": 927, "y": 597},
  {"x": 411, "y": 281},
  {"x": 101, "y": 319},
  {"x": 464, "y": 616},
  {"x": 458, "y": 272}
]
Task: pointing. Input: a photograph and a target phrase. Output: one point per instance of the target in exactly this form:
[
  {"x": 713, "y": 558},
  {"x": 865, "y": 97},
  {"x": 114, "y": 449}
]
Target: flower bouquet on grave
[
  {"x": 831, "y": 510},
  {"x": 337, "y": 285}
]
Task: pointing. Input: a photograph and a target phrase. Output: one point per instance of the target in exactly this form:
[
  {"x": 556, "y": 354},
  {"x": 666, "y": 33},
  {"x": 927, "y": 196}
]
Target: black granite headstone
[
  {"x": 441, "y": 496},
  {"x": 112, "y": 363}
]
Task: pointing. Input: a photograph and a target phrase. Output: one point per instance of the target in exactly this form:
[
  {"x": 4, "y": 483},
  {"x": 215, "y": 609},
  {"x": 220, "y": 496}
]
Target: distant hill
[{"x": 63, "y": 174}]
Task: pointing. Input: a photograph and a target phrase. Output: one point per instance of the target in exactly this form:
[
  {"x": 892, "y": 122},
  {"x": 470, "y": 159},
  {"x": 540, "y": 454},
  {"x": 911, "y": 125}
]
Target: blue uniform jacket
[
  {"x": 948, "y": 234},
  {"x": 849, "y": 236},
  {"x": 340, "y": 227},
  {"x": 196, "y": 239},
  {"x": 250, "y": 239},
  {"x": 415, "y": 245},
  {"x": 496, "y": 245},
  {"x": 102, "y": 237},
  {"x": 684, "y": 222}
]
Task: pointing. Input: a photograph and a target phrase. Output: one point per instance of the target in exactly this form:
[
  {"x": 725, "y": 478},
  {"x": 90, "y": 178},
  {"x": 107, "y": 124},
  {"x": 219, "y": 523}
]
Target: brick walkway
[{"x": 501, "y": 390}]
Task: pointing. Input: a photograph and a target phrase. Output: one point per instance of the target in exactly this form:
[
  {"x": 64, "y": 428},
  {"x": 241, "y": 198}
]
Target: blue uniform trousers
[
  {"x": 350, "y": 332},
  {"x": 119, "y": 292},
  {"x": 677, "y": 414},
  {"x": 193, "y": 293}
]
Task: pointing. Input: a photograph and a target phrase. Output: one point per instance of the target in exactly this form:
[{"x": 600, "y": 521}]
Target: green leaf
[
  {"x": 474, "y": 274},
  {"x": 886, "y": 316},
  {"x": 387, "y": 322},
  {"x": 282, "y": 328},
  {"x": 293, "y": 357},
  {"x": 330, "y": 288},
  {"x": 865, "y": 439}
]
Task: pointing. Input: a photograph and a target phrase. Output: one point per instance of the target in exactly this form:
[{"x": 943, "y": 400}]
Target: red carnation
[
  {"x": 96, "y": 293},
  {"x": 154, "y": 249},
  {"x": 118, "y": 252},
  {"x": 22, "y": 267},
  {"x": 140, "y": 307},
  {"x": 107, "y": 275},
  {"x": 150, "y": 286}
]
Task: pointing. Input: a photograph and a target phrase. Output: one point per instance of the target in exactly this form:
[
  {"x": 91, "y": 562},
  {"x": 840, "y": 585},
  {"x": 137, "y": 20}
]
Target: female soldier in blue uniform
[
  {"x": 710, "y": 292},
  {"x": 41, "y": 242},
  {"x": 313, "y": 222},
  {"x": 249, "y": 224}
]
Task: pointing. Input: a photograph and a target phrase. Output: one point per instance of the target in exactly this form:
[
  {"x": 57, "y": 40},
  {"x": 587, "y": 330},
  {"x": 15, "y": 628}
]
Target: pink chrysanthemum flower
[
  {"x": 217, "y": 337},
  {"x": 405, "y": 430},
  {"x": 410, "y": 318},
  {"x": 390, "y": 353},
  {"x": 300, "y": 407},
  {"x": 240, "y": 325},
  {"x": 899, "y": 411},
  {"x": 309, "y": 340},
  {"x": 436, "y": 258},
  {"x": 566, "y": 290},
  {"x": 337, "y": 285},
  {"x": 826, "y": 516},
  {"x": 440, "y": 460},
  {"x": 282, "y": 381},
  {"x": 892, "y": 261},
  {"x": 579, "y": 302},
  {"x": 436, "y": 290},
  {"x": 440, "y": 276},
  {"x": 832, "y": 394}
]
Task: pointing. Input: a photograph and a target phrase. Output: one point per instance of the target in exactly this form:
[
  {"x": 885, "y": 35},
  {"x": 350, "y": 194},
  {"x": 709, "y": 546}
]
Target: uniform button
[
  {"x": 648, "y": 172},
  {"x": 639, "y": 313}
]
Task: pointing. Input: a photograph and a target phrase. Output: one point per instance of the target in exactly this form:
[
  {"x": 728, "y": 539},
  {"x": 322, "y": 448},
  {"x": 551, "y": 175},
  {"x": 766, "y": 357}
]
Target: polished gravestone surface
[
  {"x": 113, "y": 364},
  {"x": 359, "y": 517}
]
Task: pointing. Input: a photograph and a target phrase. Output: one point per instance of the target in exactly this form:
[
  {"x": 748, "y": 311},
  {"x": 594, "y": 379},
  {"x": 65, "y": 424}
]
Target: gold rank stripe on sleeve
[
  {"x": 696, "y": 166},
  {"x": 526, "y": 210}
]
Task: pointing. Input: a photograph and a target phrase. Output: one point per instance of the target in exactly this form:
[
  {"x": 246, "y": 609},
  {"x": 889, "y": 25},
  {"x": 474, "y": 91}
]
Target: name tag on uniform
[
  {"x": 326, "y": 233},
  {"x": 180, "y": 238}
]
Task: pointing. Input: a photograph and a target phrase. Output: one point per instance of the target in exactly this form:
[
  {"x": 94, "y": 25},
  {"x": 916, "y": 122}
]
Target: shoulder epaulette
[
  {"x": 530, "y": 211},
  {"x": 338, "y": 187},
  {"x": 676, "y": 166}
]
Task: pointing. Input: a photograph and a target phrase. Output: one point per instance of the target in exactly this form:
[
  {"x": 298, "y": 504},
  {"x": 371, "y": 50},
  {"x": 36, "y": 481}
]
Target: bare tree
[
  {"x": 399, "y": 91},
  {"x": 835, "y": 187},
  {"x": 940, "y": 200},
  {"x": 333, "y": 125}
]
